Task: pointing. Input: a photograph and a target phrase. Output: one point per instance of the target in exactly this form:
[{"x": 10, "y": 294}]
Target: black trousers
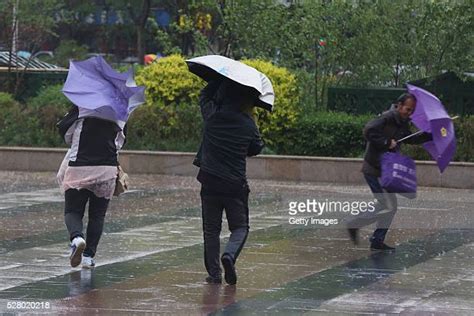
[
  {"x": 237, "y": 213},
  {"x": 74, "y": 209}
]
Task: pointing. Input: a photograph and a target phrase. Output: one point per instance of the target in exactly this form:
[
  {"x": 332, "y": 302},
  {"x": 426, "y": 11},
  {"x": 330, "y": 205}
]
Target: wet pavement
[{"x": 149, "y": 260}]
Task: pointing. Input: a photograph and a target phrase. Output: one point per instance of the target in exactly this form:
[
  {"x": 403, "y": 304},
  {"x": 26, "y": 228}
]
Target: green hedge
[
  {"x": 170, "y": 119},
  {"x": 329, "y": 134},
  {"x": 286, "y": 108},
  {"x": 49, "y": 106},
  {"x": 33, "y": 123},
  {"x": 10, "y": 115},
  {"x": 332, "y": 134},
  {"x": 338, "y": 134},
  {"x": 465, "y": 138}
]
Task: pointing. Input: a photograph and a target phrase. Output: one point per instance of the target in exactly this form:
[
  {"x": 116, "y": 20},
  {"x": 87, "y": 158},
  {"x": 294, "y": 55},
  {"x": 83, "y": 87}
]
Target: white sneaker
[
  {"x": 78, "y": 245},
  {"x": 88, "y": 262}
]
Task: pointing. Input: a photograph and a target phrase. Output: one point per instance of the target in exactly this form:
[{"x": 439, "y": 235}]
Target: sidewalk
[{"x": 150, "y": 256}]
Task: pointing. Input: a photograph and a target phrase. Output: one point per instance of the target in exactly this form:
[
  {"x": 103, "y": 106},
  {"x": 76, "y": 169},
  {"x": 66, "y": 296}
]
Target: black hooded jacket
[
  {"x": 229, "y": 137},
  {"x": 379, "y": 132}
]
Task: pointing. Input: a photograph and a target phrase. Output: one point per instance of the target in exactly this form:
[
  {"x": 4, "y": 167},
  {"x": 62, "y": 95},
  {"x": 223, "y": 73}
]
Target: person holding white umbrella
[{"x": 230, "y": 135}]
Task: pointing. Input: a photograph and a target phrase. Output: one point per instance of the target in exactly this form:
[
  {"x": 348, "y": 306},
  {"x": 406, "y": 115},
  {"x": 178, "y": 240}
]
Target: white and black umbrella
[{"x": 212, "y": 67}]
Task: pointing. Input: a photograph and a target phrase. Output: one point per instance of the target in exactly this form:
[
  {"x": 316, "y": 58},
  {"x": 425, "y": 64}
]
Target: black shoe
[
  {"x": 380, "y": 246},
  {"x": 354, "y": 235},
  {"x": 213, "y": 280},
  {"x": 229, "y": 270}
]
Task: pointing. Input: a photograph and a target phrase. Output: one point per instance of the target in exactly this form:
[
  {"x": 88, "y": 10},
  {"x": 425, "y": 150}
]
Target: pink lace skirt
[{"x": 100, "y": 180}]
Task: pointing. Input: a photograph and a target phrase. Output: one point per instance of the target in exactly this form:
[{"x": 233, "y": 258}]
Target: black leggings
[{"x": 74, "y": 209}]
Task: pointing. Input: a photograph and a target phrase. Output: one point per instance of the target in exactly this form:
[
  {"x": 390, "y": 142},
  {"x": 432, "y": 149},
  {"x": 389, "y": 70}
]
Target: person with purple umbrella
[
  {"x": 88, "y": 174},
  {"x": 95, "y": 129},
  {"x": 382, "y": 135}
]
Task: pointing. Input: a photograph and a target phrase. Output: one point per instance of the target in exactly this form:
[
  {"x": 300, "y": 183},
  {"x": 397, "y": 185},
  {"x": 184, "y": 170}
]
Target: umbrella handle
[{"x": 409, "y": 136}]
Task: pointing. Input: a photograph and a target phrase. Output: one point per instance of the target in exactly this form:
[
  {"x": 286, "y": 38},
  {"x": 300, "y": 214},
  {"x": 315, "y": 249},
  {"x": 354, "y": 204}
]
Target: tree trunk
[
  {"x": 140, "y": 48},
  {"x": 141, "y": 23}
]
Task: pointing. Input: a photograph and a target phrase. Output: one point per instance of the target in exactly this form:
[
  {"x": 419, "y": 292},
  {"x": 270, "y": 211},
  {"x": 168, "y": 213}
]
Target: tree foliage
[
  {"x": 359, "y": 43},
  {"x": 362, "y": 43}
]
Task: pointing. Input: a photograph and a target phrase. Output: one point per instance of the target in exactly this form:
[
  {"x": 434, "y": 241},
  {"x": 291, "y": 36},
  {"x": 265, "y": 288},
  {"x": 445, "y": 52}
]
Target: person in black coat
[
  {"x": 381, "y": 135},
  {"x": 230, "y": 135}
]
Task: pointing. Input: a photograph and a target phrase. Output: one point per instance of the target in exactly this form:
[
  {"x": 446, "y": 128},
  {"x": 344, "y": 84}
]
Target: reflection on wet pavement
[{"x": 150, "y": 257}]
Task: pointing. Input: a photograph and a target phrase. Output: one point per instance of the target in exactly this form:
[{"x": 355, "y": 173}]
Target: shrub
[
  {"x": 49, "y": 106},
  {"x": 171, "y": 110},
  {"x": 10, "y": 113},
  {"x": 286, "y": 107},
  {"x": 168, "y": 81},
  {"x": 338, "y": 134},
  {"x": 145, "y": 133},
  {"x": 329, "y": 134},
  {"x": 464, "y": 129}
]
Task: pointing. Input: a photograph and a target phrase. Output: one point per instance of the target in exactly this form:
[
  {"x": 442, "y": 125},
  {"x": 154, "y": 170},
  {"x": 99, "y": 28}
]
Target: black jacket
[
  {"x": 379, "y": 132},
  {"x": 96, "y": 144},
  {"x": 229, "y": 137}
]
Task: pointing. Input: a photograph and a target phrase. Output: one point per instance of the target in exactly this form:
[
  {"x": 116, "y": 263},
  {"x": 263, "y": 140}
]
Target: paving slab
[{"x": 149, "y": 260}]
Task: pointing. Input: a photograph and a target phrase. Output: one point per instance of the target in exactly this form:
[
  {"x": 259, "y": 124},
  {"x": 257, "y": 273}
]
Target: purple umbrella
[
  {"x": 430, "y": 116},
  {"x": 92, "y": 84}
]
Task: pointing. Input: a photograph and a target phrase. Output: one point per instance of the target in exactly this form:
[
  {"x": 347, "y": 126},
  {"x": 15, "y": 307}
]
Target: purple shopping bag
[{"x": 398, "y": 174}]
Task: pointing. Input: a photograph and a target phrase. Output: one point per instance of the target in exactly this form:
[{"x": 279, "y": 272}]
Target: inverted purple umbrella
[
  {"x": 93, "y": 85},
  {"x": 430, "y": 116}
]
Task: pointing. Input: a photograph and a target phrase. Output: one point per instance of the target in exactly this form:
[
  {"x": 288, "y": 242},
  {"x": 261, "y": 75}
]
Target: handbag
[
  {"x": 66, "y": 122},
  {"x": 398, "y": 174},
  {"x": 122, "y": 181}
]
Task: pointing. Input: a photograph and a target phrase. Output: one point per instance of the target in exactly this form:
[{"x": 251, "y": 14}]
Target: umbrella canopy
[
  {"x": 212, "y": 67},
  {"x": 93, "y": 85},
  {"x": 430, "y": 116}
]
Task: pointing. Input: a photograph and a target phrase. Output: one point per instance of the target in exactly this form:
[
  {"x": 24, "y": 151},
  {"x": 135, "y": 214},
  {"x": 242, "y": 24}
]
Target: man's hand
[{"x": 393, "y": 144}]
